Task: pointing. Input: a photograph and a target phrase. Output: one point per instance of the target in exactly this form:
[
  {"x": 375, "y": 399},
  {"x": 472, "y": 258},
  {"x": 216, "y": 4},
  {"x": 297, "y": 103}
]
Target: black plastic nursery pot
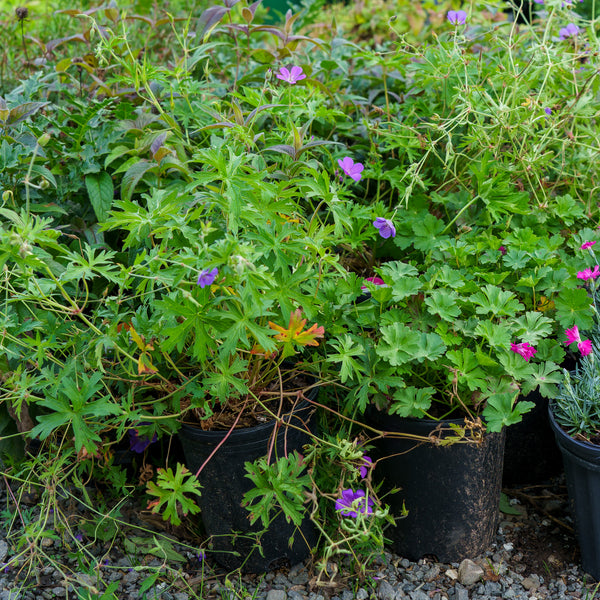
[
  {"x": 452, "y": 492},
  {"x": 233, "y": 539},
  {"x": 582, "y": 471},
  {"x": 531, "y": 454}
]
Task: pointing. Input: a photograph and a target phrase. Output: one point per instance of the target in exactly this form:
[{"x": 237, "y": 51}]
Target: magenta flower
[
  {"x": 502, "y": 250},
  {"x": 385, "y": 226},
  {"x": 524, "y": 349},
  {"x": 572, "y": 335},
  {"x": 351, "y": 168},
  {"x": 585, "y": 347},
  {"x": 571, "y": 30},
  {"x": 351, "y": 502},
  {"x": 375, "y": 281},
  {"x": 207, "y": 277},
  {"x": 457, "y": 17},
  {"x": 292, "y": 75},
  {"x": 588, "y": 273},
  {"x": 587, "y": 245},
  {"x": 364, "y": 468}
]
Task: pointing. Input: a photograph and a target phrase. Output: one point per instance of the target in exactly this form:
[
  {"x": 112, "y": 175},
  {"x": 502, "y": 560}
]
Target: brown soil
[{"x": 542, "y": 535}]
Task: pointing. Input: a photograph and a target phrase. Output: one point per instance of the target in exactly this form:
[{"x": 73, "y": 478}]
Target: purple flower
[
  {"x": 351, "y": 168},
  {"x": 364, "y": 469},
  {"x": 457, "y": 17},
  {"x": 571, "y": 30},
  {"x": 502, "y": 250},
  {"x": 201, "y": 555},
  {"x": 351, "y": 502},
  {"x": 291, "y": 76},
  {"x": 78, "y": 537},
  {"x": 139, "y": 444},
  {"x": 548, "y": 111},
  {"x": 207, "y": 276},
  {"x": 385, "y": 226}
]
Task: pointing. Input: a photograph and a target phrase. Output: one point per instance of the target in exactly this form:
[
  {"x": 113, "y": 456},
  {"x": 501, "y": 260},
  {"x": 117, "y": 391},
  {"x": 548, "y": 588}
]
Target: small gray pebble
[
  {"x": 59, "y": 591},
  {"x": 131, "y": 577},
  {"x": 9, "y": 595},
  {"x": 276, "y": 595},
  {"x": 419, "y": 595},
  {"x": 280, "y": 579},
  {"x": 386, "y": 591},
  {"x": 300, "y": 579},
  {"x": 493, "y": 588},
  {"x": 531, "y": 583},
  {"x": 295, "y": 595},
  {"x": 347, "y": 595},
  {"x": 405, "y": 563},
  {"x": 3, "y": 550},
  {"x": 362, "y": 594},
  {"x": 180, "y": 596},
  {"x": 460, "y": 593}
]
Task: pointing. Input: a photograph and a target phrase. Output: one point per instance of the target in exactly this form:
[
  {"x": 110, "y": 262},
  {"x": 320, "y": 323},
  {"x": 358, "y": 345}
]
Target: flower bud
[
  {"x": 44, "y": 139},
  {"x": 22, "y": 12}
]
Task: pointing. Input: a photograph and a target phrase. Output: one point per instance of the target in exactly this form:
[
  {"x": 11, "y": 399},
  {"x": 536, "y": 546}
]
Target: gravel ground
[{"x": 534, "y": 557}]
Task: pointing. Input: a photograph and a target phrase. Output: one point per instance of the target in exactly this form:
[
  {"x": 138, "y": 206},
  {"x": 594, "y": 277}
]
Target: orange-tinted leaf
[{"x": 294, "y": 331}]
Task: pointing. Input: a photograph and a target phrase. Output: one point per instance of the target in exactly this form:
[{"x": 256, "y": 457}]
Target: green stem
[{"x": 460, "y": 212}]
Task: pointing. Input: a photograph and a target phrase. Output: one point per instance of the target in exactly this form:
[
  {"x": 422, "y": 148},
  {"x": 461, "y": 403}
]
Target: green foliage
[
  {"x": 277, "y": 486},
  {"x": 171, "y": 490}
]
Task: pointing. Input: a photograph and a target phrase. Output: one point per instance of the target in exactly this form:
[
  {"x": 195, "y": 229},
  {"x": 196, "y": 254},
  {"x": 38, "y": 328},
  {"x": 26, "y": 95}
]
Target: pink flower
[
  {"x": 588, "y": 273},
  {"x": 502, "y": 250},
  {"x": 587, "y": 245},
  {"x": 572, "y": 335},
  {"x": 585, "y": 347},
  {"x": 351, "y": 168},
  {"x": 290, "y": 75},
  {"x": 375, "y": 281},
  {"x": 524, "y": 349}
]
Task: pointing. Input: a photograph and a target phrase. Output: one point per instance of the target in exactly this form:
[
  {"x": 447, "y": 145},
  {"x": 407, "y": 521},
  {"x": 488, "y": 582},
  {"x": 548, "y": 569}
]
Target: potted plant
[
  {"x": 442, "y": 350},
  {"x": 575, "y": 420}
]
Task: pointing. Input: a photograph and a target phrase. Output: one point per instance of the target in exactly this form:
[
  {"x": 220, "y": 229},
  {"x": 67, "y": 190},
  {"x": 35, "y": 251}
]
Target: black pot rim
[
  {"x": 413, "y": 423},
  {"x": 577, "y": 447},
  {"x": 240, "y": 433}
]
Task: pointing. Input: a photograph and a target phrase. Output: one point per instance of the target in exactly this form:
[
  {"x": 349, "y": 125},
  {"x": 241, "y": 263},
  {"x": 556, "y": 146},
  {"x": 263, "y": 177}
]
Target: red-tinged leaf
[
  {"x": 23, "y": 111},
  {"x": 283, "y": 149},
  {"x": 53, "y": 44},
  {"x": 294, "y": 332},
  {"x": 145, "y": 366},
  {"x": 210, "y": 18},
  {"x": 158, "y": 142},
  {"x": 217, "y": 125},
  {"x": 133, "y": 176},
  {"x": 143, "y": 18},
  {"x": 261, "y": 108},
  {"x": 247, "y": 15}
]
